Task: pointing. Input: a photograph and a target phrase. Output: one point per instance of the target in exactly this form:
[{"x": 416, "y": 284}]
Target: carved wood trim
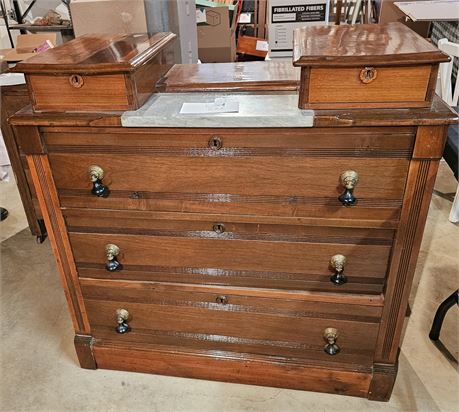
[
  {"x": 29, "y": 139},
  {"x": 421, "y": 179},
  {"x": 233, "y": 152},
  {"x": 49, "y": 204}
]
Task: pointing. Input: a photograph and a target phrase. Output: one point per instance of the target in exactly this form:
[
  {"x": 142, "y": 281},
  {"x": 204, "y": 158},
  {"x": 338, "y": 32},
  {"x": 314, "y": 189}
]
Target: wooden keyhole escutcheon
[
  {"x": 76, "y": 81},
  {"x": 368, "y": 74}
]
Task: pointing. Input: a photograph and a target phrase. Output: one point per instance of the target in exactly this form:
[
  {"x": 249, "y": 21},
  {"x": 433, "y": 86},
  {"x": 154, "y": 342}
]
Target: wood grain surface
[
  {"x": 241, "y": 76},
  {"x": 245, "y": 323},
  {"x": 365, "y": 44}
]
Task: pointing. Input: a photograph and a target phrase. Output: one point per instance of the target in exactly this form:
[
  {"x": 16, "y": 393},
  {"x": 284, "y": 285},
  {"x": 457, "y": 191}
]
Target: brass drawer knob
[
  {"x": 122, "y": 316},
  {"x": 215, "y": 143},
  {"x": 330, "y": 336},
  {"x": 223, "y": 300},
  {"x": 112, "y": 251},
  {"x": 96, "y": 174},
  {"x": 219, "y": 228},
  {"x": 349, "y": 180},
  {"x": 337, "y": 262}
]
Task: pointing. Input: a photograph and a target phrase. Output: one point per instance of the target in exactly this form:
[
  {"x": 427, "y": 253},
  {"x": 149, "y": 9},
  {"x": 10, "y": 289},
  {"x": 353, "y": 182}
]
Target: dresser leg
[
  {"x": 383, "y": 381},
  {"x": 83, "y": 347}
]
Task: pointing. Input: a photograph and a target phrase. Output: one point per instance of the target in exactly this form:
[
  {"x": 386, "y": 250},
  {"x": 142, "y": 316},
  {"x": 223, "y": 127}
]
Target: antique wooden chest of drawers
[{"x": 264, "y": 255}]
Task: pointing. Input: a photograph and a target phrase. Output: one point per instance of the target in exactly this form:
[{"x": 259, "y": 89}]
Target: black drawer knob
[
  {"x": 96, "y": 174},
  {"x": 349, "y": 180},
  {"x": 330, "y": 336},
  {"x": 122, "y": 316},
  {"x": 337, "y": 262},
  {"x": 112, "y": 264}
]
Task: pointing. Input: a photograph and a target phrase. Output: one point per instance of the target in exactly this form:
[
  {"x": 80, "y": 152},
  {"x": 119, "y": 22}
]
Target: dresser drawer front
[
  {"x": 267, "y": 172},
  {"x": 232, "y": 320},
  {"x": 365, "y": 87},
  {"x": 250, "y": 255}
]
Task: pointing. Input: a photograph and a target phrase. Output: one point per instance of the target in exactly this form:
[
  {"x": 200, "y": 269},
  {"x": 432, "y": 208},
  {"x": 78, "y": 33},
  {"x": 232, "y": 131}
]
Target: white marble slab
[{"x": 255, "y": 110}]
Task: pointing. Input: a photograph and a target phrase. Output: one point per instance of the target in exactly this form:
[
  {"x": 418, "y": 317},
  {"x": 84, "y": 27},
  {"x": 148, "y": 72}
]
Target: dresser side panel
[
  {"x": 418, "y": 193},
  {"x": 49, "y": 203}
]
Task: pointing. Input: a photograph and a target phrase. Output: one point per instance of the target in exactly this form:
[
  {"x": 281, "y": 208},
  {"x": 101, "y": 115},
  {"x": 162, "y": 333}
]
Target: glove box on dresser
[
  {"x": 271, "y": 246},
  {"x": 365, "y": 66},
  {"x": 102, "y": 72}
]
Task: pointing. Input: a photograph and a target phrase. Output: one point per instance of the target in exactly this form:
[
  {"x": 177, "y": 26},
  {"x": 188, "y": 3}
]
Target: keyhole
[
  {"x": 219, "y": 228},
  {"x": 76, "y": 81},
  {"x": 215, "y": 143},
  {"x": 222, "y": 299},
  {"x": 368, "y": 74}
]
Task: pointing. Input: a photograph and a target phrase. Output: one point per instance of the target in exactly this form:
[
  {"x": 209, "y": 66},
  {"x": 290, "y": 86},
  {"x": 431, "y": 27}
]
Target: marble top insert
[{"x": 255, "y": 110}]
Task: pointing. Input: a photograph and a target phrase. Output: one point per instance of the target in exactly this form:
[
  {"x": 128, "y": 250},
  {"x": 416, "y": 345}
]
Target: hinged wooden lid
[
  {"x": 362, "y": 44},
  {"x": 98, "y": 53}
]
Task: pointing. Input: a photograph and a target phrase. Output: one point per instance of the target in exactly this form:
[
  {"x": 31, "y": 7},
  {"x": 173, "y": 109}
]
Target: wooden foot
[
  {"x": 383, "y": 381},
  {"x": 83, "y": 347}
]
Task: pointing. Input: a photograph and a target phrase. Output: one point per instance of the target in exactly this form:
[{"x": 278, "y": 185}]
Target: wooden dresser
[{"x": 272, "y": 256}]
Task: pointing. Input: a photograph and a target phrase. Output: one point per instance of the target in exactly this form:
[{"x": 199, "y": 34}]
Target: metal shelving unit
[{"x": 19, "y": 16}]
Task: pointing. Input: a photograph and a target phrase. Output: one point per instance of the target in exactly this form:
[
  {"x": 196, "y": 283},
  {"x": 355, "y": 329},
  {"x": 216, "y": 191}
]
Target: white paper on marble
[
  {"x": 10, "y": 79},
  {"x": 219, "y": 105}
]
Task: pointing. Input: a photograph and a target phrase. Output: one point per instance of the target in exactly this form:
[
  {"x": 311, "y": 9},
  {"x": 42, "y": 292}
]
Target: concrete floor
[{"x": 39, "y": 369}]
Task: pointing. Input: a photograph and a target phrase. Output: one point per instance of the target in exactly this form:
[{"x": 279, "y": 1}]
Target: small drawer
[
  {"x": 367, "y": 87},
  {"x": 228, "y": 252},
  {"x": 234, "y": 320},
  {"x": 246, "y": 171}
]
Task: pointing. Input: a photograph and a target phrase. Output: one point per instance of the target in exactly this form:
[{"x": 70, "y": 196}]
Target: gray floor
[{"x": 39, "y": 370}]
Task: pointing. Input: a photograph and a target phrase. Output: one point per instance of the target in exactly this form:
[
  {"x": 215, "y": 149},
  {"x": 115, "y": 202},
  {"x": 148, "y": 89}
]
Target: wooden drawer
[
  {"x": 233, "y": 320},
  {"x": 330, "y": 88},
  {"x": 266, "y": 172},
  {"x": 244, "y": 254}
]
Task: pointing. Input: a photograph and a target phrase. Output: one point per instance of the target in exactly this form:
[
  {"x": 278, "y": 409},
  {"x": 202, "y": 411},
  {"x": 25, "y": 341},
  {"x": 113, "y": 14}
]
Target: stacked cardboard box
[{"x": 217, "y": 23}]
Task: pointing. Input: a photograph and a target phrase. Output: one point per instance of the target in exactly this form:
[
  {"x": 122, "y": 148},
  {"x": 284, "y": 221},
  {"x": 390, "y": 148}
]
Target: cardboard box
[
  {"x": 217, "y": 35},
  {"x": 286, "y": 15},
  {"x": 390, "y": 13},
  {"x": 108, "y": 16},
  {"x": 27, "y": 43},
  {"x": 3, "y": 62}
]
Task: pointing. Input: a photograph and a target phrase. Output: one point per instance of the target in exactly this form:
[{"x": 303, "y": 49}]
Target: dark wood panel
[
  {"x": 265, "y": 264},
  {"x": 357, "y": 142},
  {"x": 255, "y": 370},
  {"x": 377, "y": 213},
  {"x": 220, "y": 178},
  {"x": 243, "y": 320},
  {"x": 89, "y": 217}
]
